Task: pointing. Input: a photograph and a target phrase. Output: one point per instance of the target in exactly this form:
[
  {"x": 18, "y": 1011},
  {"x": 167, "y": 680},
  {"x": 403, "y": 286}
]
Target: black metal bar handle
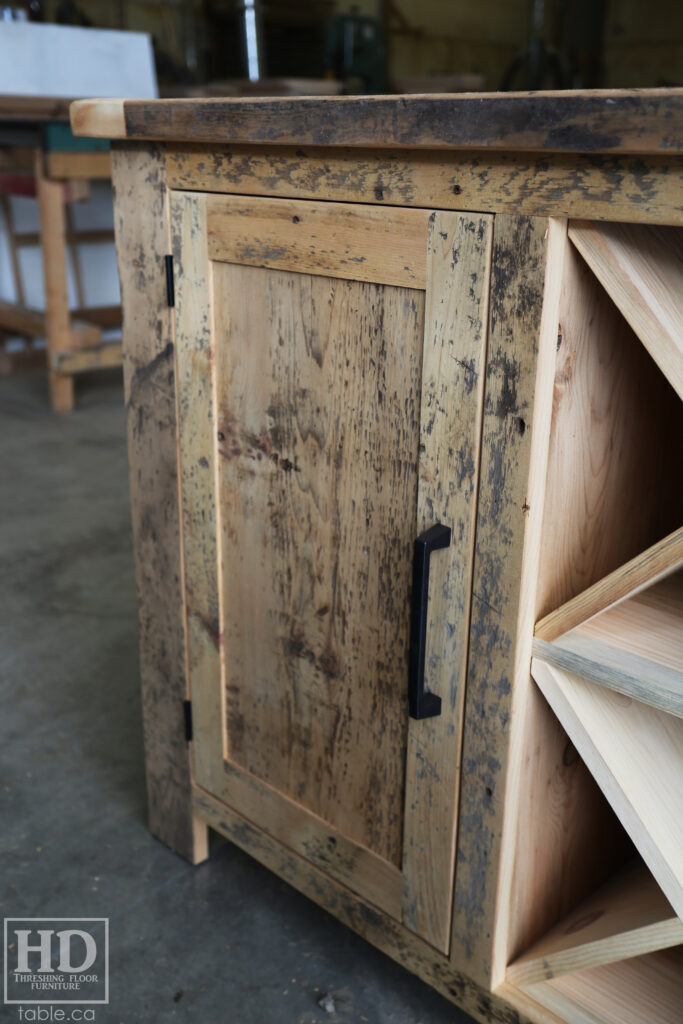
[{"x": 421, "y": 704}]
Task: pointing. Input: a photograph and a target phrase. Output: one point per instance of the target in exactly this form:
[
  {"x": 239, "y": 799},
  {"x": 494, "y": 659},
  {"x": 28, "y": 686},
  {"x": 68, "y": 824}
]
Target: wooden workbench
[
  {"x": 40, "y": 157},
  {"x": 365, "y": 333}
]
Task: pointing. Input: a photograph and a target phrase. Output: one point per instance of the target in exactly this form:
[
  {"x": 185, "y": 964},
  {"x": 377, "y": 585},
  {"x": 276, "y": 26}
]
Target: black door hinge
[
  {"x": 170, "y": 287},
  {"x": 187, "y": 712}
]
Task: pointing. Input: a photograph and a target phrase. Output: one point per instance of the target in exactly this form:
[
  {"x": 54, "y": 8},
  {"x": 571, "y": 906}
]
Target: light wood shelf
[
  {"x": 635, "y": 647},
  {"x": 658, "y": 561},
  {"x": 642, "y": 989},
  {"x": 640, "y": 269},
  {"x": 635, "y": 754},
  {"x": 627, "y": 916}
]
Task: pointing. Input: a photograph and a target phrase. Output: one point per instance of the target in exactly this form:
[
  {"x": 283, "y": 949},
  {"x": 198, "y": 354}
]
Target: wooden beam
[
  {"x": 591, "y": 121},
  {"x": 101, "y": 357},
  {"x": 32, "y": 323},
  {"x": 91, "y": 236},
  {"x": 12, "y": 184},
  {"x": 34, "y": 108},
  {"x": 103, "y": 316},
  {"x": 78, "y": 165}
]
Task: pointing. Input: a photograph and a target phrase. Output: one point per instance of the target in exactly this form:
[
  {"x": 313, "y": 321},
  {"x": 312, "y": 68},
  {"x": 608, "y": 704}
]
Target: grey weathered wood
[
  {"x": 623, "y": 672},
  {"x": 149, "y": 378},
  {"x": 590, "y": 121}
]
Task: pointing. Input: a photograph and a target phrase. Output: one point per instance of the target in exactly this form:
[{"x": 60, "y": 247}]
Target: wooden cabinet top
[
  {"x": 34, "y": 108},
  {"x": 637, "y": 121}
]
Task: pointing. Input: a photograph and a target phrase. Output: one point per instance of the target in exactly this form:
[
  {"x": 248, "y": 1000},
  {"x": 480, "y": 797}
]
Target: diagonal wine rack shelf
[{"x": 608, "y": 644}]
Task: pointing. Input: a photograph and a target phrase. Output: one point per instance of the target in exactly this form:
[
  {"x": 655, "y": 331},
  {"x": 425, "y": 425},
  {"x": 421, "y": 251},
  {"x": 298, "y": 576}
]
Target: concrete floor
[{"x": 226, "y": 942}]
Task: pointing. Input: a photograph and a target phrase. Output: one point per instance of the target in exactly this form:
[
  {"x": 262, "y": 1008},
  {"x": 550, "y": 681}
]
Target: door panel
[
  {"x": 315, "y": 445},
  {"x": 318, "y": 418}
]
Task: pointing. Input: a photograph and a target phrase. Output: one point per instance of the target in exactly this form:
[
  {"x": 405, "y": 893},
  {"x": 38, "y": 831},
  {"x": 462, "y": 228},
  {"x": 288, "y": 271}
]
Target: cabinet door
[{"x": 329, "y": 362}]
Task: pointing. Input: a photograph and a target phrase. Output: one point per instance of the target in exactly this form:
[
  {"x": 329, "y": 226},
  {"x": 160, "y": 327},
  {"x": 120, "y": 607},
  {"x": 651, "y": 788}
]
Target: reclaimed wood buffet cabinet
[{"x": 403, "y": 381}]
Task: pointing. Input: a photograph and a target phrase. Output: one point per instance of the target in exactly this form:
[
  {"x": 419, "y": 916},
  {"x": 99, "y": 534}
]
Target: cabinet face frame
[{"x": 449, "y": 256}]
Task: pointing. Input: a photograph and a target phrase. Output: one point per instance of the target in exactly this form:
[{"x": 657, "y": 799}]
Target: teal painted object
[{"x": 58, "y": 138}]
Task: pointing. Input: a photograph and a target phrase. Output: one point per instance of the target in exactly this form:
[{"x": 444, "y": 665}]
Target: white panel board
[{"x": 60, "y": 60}]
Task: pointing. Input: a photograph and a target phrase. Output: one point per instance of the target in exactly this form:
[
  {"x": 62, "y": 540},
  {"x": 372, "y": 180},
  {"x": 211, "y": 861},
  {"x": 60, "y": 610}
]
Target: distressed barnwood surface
[
  {"x": 253, "y": 441},
  {"x": 366, "y": 920},
  {"x": 317, "y": 496},
  {"x": 591, "y": 121},
  {"x": 307, "y": 615},
  {"x": 454, "y": 354},
  {"x": 149, "y": 381},
  {"x": 525, "y": 287},
  {"x": 596, "y": 186},
  {"x": 358, "y": 243},
  {"x": 502, "y": 893}
]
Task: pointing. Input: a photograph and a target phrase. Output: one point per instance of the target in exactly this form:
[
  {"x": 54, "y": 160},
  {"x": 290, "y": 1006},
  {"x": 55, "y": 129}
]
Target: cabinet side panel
[
  {"x": 525, "y": 285},
  {"x": 142, "y": 240}
]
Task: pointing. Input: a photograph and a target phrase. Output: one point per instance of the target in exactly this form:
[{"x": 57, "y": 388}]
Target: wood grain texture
[
  {"x": 625, "y": 423},
  {"x": 598, "y": 187},
  {"x": 375, "y": 879},
  {"x": 657, "y": 562},
  {"x": 58, "y": 329},
  {"x": 600, "y": 121},
  {"x": 197, "y": 458},
  {"x": 453, "y": 362},
  {"x": 357, "y": 243},
  {"x": 648, "y": 625},
  {"x": 647, "y": 988},
  {"x": 556, "y": 861},
  {"x": 518, "y": 388},
  {"x": 83, "y": 360},
  {"x": 78, "y": 165},
  {"x": 33, "y": 324},
  {"x": 609, "y": 666},
  {"x": 628, "y": 916},
  {"x": 319, "y": 384},
  {"x": 641, "y": 268},
  {"x": 635, "y": 647},
  {"x": 228, "y": 658},
  {"x": 364, "y": 919},
  {"x": 149, "y": 383},
  {"x": 98, "y": 118},
  {"x": 635, "y": 753},
  {"x": 315, "y": 376}
]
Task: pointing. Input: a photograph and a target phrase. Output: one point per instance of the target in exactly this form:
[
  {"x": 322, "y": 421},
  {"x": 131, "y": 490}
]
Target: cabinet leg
[
  {"x": 200, "y": 836},
  {"x": 58, "y": 325},
  {"x": 172, "y": 818}
]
